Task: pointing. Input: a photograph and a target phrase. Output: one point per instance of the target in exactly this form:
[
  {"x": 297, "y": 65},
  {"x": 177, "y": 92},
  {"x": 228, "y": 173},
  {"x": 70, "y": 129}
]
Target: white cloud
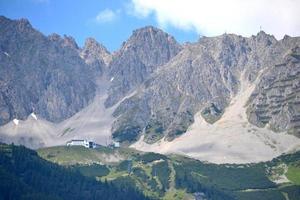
[
  {"x": 214, "y": 17},
  {"x": 106, "y": 15}
]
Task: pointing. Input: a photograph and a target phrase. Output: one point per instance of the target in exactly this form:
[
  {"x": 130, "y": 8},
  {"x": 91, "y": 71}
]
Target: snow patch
[
  {"x": 16, "y": 121},
  {"x": 112, "y": 78},
  {"x": 6, "y": 54},
  {"x": 33, "y": 116}
]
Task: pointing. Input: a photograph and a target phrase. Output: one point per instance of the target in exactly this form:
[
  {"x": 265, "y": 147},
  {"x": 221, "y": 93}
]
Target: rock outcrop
[
  {"x": 41, "y": 74},
  {"x": 139, "y": 57},
  {"x": 276, "y": 99},
  {"x": 203, "y": 74},
  {"x": 96, "y": 56},
  {"x": 155, "y": 85}
]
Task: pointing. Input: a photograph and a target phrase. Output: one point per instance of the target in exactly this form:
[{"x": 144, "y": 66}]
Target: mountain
[
  {"x": 96, "y": 56},
  {"x": 223, "y": 99},
  {"x": 40, "y": 74},
  {"x": 275, "y": 100},
  {"x": 139, "y": 57},
  {"x": 204, "y": 77}
]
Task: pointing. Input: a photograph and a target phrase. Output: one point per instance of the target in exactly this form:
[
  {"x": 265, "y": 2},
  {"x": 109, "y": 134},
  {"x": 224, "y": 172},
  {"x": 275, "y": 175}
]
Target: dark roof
[{"x": 76, "y": 141}]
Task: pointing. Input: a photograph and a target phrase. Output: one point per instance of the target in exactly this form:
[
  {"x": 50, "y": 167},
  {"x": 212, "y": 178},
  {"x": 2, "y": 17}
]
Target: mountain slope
[
  {"x": 203, "y": 77},
  {"x": 232, "y": 139},
  {"x": 96, "y": 56},
  {"x": 275, "y": 101},
  {"x": 40, "y": 74},
  {"x": 139, "y": 56}
]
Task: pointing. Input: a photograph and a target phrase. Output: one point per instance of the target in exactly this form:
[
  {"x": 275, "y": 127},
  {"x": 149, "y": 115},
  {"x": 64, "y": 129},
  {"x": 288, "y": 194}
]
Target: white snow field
[{"x": 232, "y": 139}]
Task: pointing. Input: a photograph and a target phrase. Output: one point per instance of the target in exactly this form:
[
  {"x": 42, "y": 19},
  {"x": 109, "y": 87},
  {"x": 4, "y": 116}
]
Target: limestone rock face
[
  {"x": 155, "y": 85},
  {"x": 40, "y": 74},
  {"x": 139, "y": 57},
  {"x": 96, "y": 56},
  {"x": 202, "y": 74},
  {"x": 276, "y": 99}
]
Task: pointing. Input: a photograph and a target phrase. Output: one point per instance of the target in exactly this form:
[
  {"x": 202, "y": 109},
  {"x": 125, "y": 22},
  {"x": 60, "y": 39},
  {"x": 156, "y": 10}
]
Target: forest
[{"x": 24, "y": 175}]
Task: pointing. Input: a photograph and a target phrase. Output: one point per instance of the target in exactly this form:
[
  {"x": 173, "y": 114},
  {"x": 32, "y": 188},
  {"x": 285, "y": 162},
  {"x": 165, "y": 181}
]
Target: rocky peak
[
  {"x": 66, "y": 41},
  {"x": 54, "y": 37},
  {"x": 24, "y": 23},
  {"x": 218, "y": 43},
  {"x": 20, "y": 25},
  {"x": 263, "y": 34},
  {"x": 146, "y": 50},
  {"x": 39, "y": 74},
  {"x": 69, "y": 41},
  {"x": 148, "y": 42},
  {"x": 91, "y": 43},
  {"x": 93, "y": 50},
  {"x": 265, "y": 39},
  {"x": 2, "y": 19}
]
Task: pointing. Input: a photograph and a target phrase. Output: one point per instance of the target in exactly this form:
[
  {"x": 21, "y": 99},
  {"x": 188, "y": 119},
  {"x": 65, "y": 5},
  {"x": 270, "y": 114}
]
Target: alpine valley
[{"x": 215, "y": 119}]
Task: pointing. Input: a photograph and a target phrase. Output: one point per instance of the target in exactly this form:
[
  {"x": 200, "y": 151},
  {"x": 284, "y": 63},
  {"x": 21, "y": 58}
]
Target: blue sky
[{"x": 110, "y": 22}]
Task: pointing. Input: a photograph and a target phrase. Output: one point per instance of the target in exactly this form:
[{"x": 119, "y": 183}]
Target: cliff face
[
  {"x": 138, "y": 58},
  {"x": 155, "y": 85},
  {"x": 276, "y": 99},
  {"x": 203, "y": 77},
  {"x": 40, "y": 74},
  {"x": 96, "y": 56}
]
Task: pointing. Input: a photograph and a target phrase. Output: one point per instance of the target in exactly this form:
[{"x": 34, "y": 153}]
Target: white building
[
  {"x": 85, "y": 143},
  {"x": 117, "y": 144},
  {"x": 114, "y": 144}
]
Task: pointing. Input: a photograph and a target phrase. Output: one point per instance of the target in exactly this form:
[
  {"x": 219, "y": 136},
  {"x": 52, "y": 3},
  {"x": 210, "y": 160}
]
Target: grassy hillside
[
  {"x": 293, "y": 174},
  {"x": 64, "y": 155},
  {"x": 178, "y": 177}
]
